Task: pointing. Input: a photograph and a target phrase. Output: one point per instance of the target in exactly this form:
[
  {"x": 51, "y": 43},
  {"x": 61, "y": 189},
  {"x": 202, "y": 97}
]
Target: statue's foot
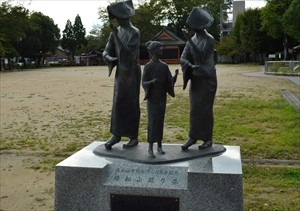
[
  {"x": 160, "y": 150},
  {"x": 206, "y": 144},
  {"x": 188, "y": 143},
  {"x": 131, "y": 143},
  {"x": 151, "y": 154},
  {"x": 112, "y": 141}
]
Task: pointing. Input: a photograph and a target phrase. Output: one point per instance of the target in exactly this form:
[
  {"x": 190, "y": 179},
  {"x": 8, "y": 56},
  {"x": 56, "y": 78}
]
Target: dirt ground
[{"x": 43, "y": 103}]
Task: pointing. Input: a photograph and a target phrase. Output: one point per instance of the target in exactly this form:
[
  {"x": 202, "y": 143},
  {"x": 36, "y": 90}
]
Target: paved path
[{"x": 294, "y": 79}]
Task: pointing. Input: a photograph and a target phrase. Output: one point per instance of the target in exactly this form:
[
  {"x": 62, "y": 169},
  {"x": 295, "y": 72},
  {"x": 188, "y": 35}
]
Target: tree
[
  {"x": 150, "y": 13},
  {"x": 250, "y": 39},
  {"x": 79, "y": 34},
  {"x": 13, "y": 21},
  {"x": 94, "y": 39},
  {"x": 228, "y": 46},
  {"x": 68, "y": 41},
  {"x": 250, "y": 34},
  {"x": 2, "y": 50},
  {"x": 177, "y": 11},
  {"x": 41, "y": 37},
  {"x": 291, "y": 19},
  {"x": 73, "y": 38},
  {"x": 272, "y": 22}
]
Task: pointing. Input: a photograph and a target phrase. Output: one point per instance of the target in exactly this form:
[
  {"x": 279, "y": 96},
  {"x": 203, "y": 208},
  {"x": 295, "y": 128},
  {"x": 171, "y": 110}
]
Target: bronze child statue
[
  {"x": 122, "y": 50},
  {"x": 157, "y": 81},
  {"x": 197, "y": 61}
]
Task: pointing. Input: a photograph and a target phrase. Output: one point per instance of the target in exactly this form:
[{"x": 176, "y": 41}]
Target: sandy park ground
[{"x": 47, "y": 113}]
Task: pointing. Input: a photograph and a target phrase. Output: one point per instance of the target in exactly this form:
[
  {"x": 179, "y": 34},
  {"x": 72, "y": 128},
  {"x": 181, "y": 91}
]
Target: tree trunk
[
  {"x": 9, "y": 64},
  {"x": 285, "y": 46}
]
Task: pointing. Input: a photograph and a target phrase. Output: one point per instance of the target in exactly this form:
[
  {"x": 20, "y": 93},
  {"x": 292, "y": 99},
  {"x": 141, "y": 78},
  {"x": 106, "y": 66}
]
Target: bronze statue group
[{"x": 197, "y": 62}]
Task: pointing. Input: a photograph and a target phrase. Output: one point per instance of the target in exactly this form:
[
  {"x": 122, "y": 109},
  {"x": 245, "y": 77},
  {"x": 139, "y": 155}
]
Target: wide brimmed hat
[
  {"x": 152, "y": 45},
  {"x": 123, "y": 9},
  {"x": 200, "y": 18}
]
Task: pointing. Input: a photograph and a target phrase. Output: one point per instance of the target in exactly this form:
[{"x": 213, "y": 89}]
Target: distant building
[
  {"x": 229, "y": 11},
  {"x": 93, "y": 58},
  {"x": 238, "y": 7},
  {"x": 172, "y": 47},
  {"x": 60, "y": 55}
]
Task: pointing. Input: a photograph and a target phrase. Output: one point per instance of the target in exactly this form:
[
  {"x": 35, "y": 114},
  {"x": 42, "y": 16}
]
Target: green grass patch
[
  {"x": 46, "y": 164},
  {"x": 263, "y": 129},
  {"x": 271, "y": 188}
]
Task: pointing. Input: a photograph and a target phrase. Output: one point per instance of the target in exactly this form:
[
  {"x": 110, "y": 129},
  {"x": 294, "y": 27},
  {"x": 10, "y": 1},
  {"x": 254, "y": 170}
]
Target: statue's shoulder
[
  {"x": 163, "y": 64},
  {"x": 149, "y": 64},
  {"x": 134, "y": 29},
  {"x": 210, "y": 37}
]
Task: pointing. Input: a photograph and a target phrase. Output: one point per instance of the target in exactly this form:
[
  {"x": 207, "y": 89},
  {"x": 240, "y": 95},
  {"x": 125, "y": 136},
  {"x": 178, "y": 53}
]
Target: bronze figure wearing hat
[
  {"x": 157, "y": 81},
  {"x": 122, "y": 51},
  {"x": 197, "y": 61}
]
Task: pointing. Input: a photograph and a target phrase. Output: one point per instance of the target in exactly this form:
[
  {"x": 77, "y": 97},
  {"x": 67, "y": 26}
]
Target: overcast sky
[{"x": 62, "y": 10}]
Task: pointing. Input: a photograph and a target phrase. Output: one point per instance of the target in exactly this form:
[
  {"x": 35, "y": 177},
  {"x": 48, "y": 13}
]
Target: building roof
[{"x": 166, "y": 37}]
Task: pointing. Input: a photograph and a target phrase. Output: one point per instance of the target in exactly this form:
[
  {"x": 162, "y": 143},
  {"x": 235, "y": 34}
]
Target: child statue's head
[{"x": 154, "y": 48}]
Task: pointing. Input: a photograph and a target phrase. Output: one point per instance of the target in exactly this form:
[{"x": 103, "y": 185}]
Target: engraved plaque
[
  {"x": 147, "y": 176},
  {"x": 143, "y": 203}
]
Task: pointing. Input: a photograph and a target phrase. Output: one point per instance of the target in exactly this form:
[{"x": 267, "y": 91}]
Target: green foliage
[
  {"x": 2, "y": 49},
  {"x": 24, "y": 34},
  {"x": 271, "y": 22},
  {"x": 79, "y": 33},
  {"x": 177, "y": 11},
  {"x": 290, "y": 20},
  {"x": 73, "y": 38},
  {"x": 13, "y": 22},
  {"x": 228, "y": 46},
  {"x": 68, "y": 41},
  {"x": 275, "y": 67},
  {"x": 94, "y": 41},
  {"x": 251, "y": 36},
  {"x": 148, "y": 13},
  {"x": 42, "y": 36}
]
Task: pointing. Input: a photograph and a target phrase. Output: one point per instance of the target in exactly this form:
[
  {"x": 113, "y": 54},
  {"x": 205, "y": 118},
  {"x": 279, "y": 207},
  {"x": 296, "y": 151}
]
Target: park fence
[{"x": 291, "y": 68}]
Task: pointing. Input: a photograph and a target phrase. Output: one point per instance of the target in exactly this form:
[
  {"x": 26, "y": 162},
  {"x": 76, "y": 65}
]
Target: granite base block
[{"x": 86, "y": 181}]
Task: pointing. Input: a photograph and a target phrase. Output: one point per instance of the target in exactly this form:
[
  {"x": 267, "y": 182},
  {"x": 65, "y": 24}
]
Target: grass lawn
[{"x": 271, "y": 188}]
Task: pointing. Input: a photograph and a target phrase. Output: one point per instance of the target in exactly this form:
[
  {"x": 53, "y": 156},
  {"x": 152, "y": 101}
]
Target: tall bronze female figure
[
  {"x": 197, "y": 61},
  {"x": 122, "y": 50}
]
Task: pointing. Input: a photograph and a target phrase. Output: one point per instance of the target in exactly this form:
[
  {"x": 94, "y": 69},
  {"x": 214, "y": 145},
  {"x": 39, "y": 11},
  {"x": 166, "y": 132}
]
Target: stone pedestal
[{"x": 86, "y": 181}]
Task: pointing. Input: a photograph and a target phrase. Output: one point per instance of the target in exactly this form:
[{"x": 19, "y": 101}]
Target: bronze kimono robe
[
  {"x": 156, "y": 95},
  {"x": 125, "y": 115},
  {"x": 203, "y": 84}
]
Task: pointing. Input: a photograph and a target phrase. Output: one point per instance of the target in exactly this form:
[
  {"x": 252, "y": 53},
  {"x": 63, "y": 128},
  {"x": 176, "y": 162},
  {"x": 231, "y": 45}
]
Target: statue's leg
[
  {"x": 159, "y": 148},
  {"x": 150, "y": 150},
  {"x": 112, "y": 141}
]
